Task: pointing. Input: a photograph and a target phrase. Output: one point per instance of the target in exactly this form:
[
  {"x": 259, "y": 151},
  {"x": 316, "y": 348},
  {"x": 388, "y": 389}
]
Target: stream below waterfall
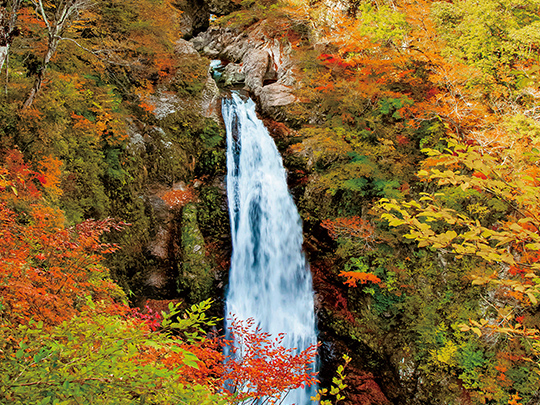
[{"x": 269, "y": 280}]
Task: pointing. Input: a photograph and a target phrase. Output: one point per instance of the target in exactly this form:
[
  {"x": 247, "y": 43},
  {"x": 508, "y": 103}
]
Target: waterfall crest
[{"x": 269, "y": 280}]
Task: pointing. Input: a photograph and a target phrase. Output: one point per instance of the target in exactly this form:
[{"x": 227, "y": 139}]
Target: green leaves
[
  {"x": 505, "y": 250},
  {"x": 382, "y": 23},
  {"x": 191, "y": 323},
  {"x": 98, "y": 359},
  {"x": 393, "y": 105},
  {"x": 488, "y": 34},
  {"x": 190, "y": 359}
]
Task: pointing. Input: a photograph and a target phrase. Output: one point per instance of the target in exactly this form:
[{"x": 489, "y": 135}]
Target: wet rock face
[
  {"x": 195, "y": 17},
  {"x": 166, "y": 101},
  {"x": 196, "y": 274},
  {"x": 167, "y": 265},
  {"x": 262, "y": 64},
  {"x": 276, "y": 95}
]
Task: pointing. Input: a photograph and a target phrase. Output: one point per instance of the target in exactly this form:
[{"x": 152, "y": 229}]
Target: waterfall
[{"x": 269, "y": 280}]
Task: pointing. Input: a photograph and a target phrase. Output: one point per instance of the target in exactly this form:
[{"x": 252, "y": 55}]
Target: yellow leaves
[
  {"x": 464, "y": 327},
  {"x": 323, "y": 145},
  {"x": 430, "y": 153},
  {"x": 500, "y": 181},
  {"x": 393, "y": 220},
  {"x": 448, "y": 236},
  {"x": 98, "y": 119},
  {"x": 467, "y": 328},
  {"x": 47, "y": 218},
  {"x": 492, "y": 255},
  {"x": 482, "y": 280},
  {"x": 446, "y": 354},
  {"x": 532, "y": 298},
  {"x": 518, "y": 286},
  {"x": 477, "y": 331},
  {"x": 481, "y": 324},
  {"x": 476, "y": 327},
  {"x": 432, "y": 213},
  {"x": 83, "y": 124},
  {"x": 503, "y": 325}
]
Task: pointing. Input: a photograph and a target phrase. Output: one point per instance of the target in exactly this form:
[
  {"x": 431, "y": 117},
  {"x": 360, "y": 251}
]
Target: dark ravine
[
  {"x": 264, "y": 67},
  {"x": 253, "y": 60},
  {"x": 370, "y": 377}
]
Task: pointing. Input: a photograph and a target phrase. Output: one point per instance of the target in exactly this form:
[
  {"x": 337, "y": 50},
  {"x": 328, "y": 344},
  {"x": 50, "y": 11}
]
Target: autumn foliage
[
  {"x": 179, "y": 198},
  {"x": 416, "y": 134},
  {"x": 444, "y": 256},
  {"x": 59, "y": 306},
  {"x": 48, "y": 271}
]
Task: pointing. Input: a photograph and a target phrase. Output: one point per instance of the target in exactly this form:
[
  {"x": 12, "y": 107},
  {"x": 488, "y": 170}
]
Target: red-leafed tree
[
  {"x": 260, "y": 369},
  {"x": 48, "y": 270}
]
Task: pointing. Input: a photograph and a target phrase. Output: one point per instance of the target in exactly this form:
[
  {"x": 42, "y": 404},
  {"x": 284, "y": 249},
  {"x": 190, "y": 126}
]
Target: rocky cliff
[{"x": 262, "y": 64}]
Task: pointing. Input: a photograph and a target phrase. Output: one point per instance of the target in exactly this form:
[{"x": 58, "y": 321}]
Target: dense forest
[{"x": 410, "y": 130}]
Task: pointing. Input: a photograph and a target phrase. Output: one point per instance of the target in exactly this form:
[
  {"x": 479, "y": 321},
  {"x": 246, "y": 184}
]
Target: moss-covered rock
[{"x": 195, "y": 277}]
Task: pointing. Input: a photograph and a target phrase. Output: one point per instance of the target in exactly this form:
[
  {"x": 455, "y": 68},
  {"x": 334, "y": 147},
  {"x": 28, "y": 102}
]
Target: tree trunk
[
  {"x": 51, "y": 50},
  {"x": 9, "y": 10},
  {"x": 56, "y": 21},
  {"x": 4, "y": 50}
]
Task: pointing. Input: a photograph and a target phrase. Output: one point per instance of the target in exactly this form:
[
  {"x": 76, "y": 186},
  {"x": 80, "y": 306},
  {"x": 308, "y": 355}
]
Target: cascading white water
[{"x": 269, "y": 280}]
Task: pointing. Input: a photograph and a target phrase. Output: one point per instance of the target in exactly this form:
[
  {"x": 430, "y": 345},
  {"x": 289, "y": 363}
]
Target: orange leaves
[
  {"x": 327, "y": 87},
  {"x": 43, "y": 217},
  {"x": 401, "y": 49},
  {"x": 28, "y": 20},
  {"x": 50, "y": 175},
  {"x": 106, "y": 125},
  {"x": 336, "y": 61},
  {"x": 47, "y": 269},
  {"x": 262, "y": 368},
  {"x": 147, "y": 107},
  {"x": 401, "y": 139},
  {"x": 210, "y": 362},
  {"x": 514, "y": 398},
  {"x": 18, "y": 178},
  {"x": 178, "y": 198},
  {"x": 165, "y": 65},
  {"x": 82, "y": 124},
  {"x": 144, "y": 92},
  {"x": 480, "y": 175},
  {"x": 353, "y": 277}
]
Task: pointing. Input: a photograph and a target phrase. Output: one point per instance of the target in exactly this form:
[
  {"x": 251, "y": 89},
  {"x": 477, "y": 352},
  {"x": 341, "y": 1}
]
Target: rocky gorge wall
[
  {"x": 181, "y": 141},
  {"x": 261, "y": 64},
  {"x": 264, "y": 68}
]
